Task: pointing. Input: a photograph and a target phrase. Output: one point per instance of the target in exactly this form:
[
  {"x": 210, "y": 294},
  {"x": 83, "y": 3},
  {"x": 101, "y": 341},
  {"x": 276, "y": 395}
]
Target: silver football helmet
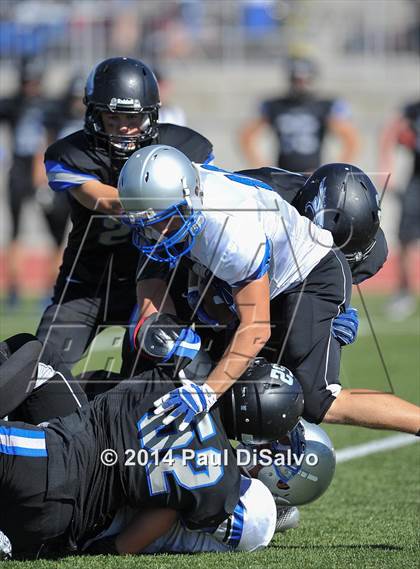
[
  {"x": 297, "y": 484},
  {"x": 159, "y": 183}
]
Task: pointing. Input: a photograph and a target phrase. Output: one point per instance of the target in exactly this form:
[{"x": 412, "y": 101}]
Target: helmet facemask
[
  {"x": 283, "y": 453},
  {"x": 175, "y": 244},
  {"x": 309, "y": 469},
  {"x": 120, "y": 147}
]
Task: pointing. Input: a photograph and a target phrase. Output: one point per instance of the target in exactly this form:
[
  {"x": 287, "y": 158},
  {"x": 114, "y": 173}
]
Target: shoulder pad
[
  {"x": 190, "y": 142},
  {"x": 286, "y": 184},
  {"x": 76, "y": 152}
]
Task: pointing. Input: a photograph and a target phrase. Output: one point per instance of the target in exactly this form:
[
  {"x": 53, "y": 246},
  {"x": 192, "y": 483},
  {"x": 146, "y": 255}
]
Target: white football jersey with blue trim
[{"x": 249, "y": 230}]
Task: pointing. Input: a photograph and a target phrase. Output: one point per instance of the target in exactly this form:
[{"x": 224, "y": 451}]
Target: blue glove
[
  {"x": 188, "y": 401},
  {"x": 345, "y": 326}
]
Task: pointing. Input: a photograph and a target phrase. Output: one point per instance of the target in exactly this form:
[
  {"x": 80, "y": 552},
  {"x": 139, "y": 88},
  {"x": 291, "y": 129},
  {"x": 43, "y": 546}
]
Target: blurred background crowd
[{"x": 231, "y": 69}]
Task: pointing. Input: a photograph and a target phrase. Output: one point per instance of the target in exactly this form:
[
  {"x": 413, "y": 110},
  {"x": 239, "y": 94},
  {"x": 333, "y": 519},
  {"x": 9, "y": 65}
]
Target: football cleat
[
  {"x": 5, "y": 547},
  {"x": 287, "y": 518}
]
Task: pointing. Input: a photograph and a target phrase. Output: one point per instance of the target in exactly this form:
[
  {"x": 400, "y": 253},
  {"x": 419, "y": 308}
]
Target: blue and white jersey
[{"x": 250, "y": 230}]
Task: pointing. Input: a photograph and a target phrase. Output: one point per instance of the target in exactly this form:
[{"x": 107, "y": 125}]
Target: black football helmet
[
  {"x": 344, "y": 200},
  {"x": 263, "y": 405},
  {"x": 121, "y": 85}
]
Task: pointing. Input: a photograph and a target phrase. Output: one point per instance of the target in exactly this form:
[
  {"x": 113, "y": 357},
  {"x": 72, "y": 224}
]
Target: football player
[
  {"x": 340, "y": 198},
  {"x": 94, "y": 286},
  {"x": 284, "y": 275},
  {"x": 404, "y": 130},
  {"x": 289, "y": 483},
  {"x": 61, "y": 484},
  {"x": 300, "y": 120}
]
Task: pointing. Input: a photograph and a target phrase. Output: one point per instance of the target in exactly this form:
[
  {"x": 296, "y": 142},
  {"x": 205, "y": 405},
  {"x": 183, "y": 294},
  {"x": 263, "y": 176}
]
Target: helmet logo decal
[
  {"x": 315, "y": 208},
  {"x": 132, "y": 104}
]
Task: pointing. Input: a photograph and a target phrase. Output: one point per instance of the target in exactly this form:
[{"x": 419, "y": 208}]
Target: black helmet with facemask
[{"x": 127, "y": 86}]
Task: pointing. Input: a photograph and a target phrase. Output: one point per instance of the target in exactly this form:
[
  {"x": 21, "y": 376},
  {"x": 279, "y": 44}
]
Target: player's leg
[
  {"x": 124, "y": 310},
  {"x": 18, "y": 192},
  {"x": 57, "y": 215},
  {"x": 403, "y": 303},
  {"x": 301, "y": 337},
  {"x": 17, "y": 371},
  {"x": 70, "y": 323},
  {"x": 374, "y": 409},
  {"x": 35, "y": 385},
  {"x": 313, "y": 354}
]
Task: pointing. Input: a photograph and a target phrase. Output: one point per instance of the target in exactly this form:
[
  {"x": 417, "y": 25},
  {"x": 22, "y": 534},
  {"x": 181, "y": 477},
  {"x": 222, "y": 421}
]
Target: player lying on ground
[
  {"x": 52, "y": 387},
  {"x": 59, "y": 487},
  {"x": 282, "y": 269},
  {"x": 290, "y": 485}
]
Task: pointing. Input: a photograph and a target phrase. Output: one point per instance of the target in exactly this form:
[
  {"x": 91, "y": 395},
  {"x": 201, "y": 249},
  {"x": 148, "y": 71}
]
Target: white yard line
[{"x": 357, "y": 451}]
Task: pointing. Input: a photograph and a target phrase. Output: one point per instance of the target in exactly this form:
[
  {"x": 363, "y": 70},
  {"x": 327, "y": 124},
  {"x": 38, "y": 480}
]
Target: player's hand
[
  {"x": 345, "y": 326},
  {"x": 187, "y": 401}
]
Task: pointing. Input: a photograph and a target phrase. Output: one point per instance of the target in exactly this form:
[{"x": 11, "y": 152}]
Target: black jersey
[
  {"x": 412, "y": 115},
  {"x": 26, "y": 118},
  {"x": 98, "y": 244},
  {"x": 122, "y": 420},
  {"x": 300, "y": 124}
]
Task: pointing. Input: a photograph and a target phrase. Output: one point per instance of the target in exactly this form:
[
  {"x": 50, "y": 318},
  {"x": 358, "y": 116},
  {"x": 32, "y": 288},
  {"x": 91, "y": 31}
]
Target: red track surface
[{"x": 34, "y": 270}]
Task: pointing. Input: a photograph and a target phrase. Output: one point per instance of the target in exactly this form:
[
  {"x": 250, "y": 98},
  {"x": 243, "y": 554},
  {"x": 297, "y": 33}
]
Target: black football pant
[
  {"x": 79, "y": 312},
  {"x": 301, "y": 332},
  {"x": 35, "y": 384},
  {"x": 27, "y": 517}
]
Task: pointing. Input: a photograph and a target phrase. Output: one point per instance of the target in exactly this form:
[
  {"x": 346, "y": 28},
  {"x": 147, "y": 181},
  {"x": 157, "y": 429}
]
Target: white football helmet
[{"x": 253, "y": 523}]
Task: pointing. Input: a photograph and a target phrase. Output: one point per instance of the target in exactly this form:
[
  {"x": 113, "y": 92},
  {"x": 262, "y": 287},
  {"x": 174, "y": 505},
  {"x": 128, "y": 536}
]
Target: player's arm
[
  {"x": 153, "y": 296},
  {"x": 248, "y": 140},
  {"x": 346, "y": 132},
  {"x": 97, "y": 196},
  {"x": 253, "y": 307},
  {"x": 252, "y": 303},
  {"x": 152, "y": 288},
  {"x": 85, "y": 187},
  {"x": 145, "y": 528},
  {"x": 397, "y": 130},
  {"x": 339, "y": 124}
]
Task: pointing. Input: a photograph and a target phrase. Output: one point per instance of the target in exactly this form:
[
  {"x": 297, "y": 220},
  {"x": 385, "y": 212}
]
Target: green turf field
[{"x": 370, "y": 516}]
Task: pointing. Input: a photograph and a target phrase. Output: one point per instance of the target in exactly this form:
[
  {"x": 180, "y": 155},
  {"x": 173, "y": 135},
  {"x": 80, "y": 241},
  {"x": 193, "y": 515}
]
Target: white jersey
[{"x": 249, "y": 230}]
